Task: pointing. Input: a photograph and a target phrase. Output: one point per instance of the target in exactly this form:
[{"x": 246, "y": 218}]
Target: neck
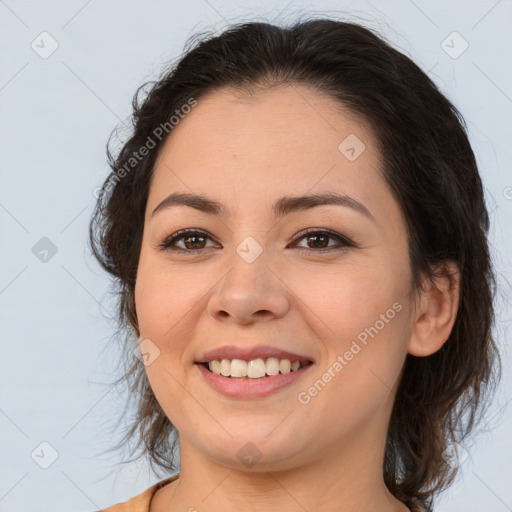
[{"x": 347, "y": 479}]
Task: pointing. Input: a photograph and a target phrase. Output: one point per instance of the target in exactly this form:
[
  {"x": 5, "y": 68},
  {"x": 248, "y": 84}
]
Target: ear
[{"x": 436, "y": 310}]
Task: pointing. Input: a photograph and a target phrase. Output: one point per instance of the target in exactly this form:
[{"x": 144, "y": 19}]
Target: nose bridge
[{"x": 250, "y": 286}]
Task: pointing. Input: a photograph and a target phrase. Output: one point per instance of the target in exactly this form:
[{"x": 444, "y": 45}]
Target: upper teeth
[{"x": 254, "y": 369}]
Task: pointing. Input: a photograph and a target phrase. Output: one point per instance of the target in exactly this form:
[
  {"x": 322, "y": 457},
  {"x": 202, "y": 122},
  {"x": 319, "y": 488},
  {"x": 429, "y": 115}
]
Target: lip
[
  {"x": 248, "y": 354},
  {"x": 250, "y": 388}
]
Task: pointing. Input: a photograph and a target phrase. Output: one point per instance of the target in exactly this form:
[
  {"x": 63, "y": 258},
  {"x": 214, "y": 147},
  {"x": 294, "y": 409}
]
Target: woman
[{"x": 299, "y": 236}]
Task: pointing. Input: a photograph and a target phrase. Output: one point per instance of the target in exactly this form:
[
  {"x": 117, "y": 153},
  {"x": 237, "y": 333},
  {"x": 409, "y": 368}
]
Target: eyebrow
[{"x": 283, "y": 206}]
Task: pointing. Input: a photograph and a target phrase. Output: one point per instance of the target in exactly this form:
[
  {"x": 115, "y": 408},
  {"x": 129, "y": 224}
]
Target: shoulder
[{"x": 140, "y": 502}]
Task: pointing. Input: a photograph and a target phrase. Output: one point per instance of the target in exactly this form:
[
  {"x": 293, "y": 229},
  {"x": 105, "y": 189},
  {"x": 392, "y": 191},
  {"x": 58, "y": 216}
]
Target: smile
[
  {"x": 253, "y": 369},
  {"x": 227, "y": 376}
]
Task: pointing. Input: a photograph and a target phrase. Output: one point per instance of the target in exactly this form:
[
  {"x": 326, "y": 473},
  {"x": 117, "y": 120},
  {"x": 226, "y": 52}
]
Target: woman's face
[{"x": 251, "y": 277}]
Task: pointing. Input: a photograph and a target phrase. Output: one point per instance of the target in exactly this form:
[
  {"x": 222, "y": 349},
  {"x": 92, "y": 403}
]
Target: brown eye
[
  {"x": 318, "y": 241},
  {"x": 192, "y": 241}
]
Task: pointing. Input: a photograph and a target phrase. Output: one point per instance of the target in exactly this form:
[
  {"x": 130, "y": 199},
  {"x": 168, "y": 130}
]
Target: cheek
[
  {"x": 164, "y": 305},
  {"x": 361, "y": 318},
  {"x": 356, "y": 381},
  {"x": 164, "y": 297},
  {"x": 372, "y": 330},
  {"x": 342, "y": 300}
]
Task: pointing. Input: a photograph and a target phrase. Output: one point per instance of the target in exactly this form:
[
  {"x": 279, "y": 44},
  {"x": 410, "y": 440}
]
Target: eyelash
[{"x": 166, "y": 245}]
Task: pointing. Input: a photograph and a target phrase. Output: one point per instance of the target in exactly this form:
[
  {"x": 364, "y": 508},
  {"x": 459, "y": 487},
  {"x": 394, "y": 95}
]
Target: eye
[
  {"x": 195, "y": 240},
  {"x": 192, "y": 239},
  {"x": 319, "y": 240}
]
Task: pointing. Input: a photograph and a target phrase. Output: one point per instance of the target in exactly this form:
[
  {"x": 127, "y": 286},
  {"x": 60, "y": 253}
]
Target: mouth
[
  {"x": 254, "y": 369},
  {"x": 254, "y": 376}
]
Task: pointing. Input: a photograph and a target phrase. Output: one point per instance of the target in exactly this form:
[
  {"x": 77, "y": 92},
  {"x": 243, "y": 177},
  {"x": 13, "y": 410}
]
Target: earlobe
[{"x": 436, "y": 311}]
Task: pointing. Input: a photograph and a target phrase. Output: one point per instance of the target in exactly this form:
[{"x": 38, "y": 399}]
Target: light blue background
[{"x": 57, "y": 113}]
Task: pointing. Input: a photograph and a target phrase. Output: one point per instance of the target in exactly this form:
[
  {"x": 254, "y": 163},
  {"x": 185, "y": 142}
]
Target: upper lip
[{"x": 248, "y": 354}]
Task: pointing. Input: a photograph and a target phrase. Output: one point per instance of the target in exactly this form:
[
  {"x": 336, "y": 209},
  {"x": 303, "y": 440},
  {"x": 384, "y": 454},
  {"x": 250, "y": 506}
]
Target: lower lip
[{"x": 250, "y": 388}]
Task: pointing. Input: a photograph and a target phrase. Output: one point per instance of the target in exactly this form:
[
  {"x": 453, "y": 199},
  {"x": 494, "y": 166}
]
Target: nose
[{"x": 249, "y": 292}]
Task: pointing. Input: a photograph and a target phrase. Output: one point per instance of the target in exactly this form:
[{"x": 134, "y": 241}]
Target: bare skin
[{"x": 324, "y": 454}]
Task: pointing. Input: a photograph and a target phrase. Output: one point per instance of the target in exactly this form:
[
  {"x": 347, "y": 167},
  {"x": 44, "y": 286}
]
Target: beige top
[{"x": 141, "y": 502}]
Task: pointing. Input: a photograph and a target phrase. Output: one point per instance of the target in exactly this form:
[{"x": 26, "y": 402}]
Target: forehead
[
  {"x": 284, "y": 140},
  {"x": 292, "y": 118}
]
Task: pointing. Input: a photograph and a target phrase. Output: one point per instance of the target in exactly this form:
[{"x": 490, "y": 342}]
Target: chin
[{"x": 254, "y": 451}]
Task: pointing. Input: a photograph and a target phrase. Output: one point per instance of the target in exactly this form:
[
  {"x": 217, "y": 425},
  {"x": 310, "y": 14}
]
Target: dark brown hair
[{"x": 431, "y": 170}]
